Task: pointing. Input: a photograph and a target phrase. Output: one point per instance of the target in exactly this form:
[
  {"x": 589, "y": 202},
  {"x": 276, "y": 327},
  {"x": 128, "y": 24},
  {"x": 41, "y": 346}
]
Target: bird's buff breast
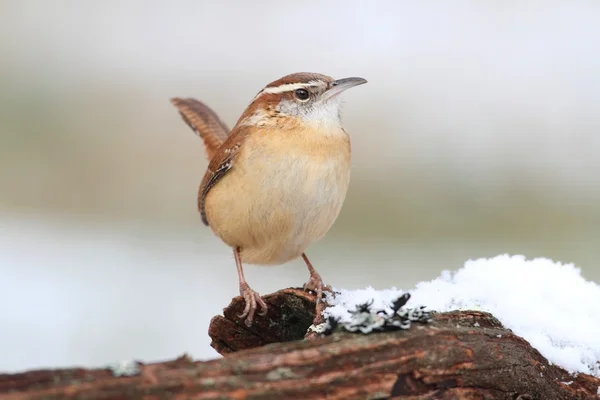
[{"x": 282, "y": 195}]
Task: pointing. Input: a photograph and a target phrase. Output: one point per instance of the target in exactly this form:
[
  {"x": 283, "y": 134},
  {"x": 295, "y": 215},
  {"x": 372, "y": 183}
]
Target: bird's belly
[{"x": 274, "y": 210}]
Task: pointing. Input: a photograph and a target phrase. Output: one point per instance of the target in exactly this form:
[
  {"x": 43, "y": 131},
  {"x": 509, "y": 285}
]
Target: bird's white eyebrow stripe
[{"x": 289, "y": 87}]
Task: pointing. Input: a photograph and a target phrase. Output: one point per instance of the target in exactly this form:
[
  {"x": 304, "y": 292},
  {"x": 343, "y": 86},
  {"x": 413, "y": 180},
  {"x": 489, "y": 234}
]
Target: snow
[
  {"x": 366, "y": 318},
  {"x": 125, "y": 368},
  {"x": 346, "y": 301},
  {"x": 548, "y": 303}
]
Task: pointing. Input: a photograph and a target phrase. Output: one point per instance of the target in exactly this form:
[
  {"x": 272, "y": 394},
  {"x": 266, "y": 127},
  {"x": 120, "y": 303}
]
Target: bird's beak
[{"x": 338, "y": 86}]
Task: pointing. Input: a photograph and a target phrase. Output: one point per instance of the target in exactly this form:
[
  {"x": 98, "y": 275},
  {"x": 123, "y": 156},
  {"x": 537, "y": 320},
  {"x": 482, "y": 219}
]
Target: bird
[{"x": 276, "y": 181}]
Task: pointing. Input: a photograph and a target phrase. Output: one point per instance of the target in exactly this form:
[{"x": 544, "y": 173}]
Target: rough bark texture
[
  {"x": 291, "y": 312},
  {"x": 460, "y": 355}
]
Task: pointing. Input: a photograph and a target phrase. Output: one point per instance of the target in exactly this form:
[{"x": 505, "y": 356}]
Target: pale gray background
[{"x": 477, "y": 134}]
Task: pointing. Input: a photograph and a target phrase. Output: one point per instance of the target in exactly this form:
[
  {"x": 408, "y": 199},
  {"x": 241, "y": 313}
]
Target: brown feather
[
  {"x": 300, "y": 77},
  {"x": 204, "y": 122}
]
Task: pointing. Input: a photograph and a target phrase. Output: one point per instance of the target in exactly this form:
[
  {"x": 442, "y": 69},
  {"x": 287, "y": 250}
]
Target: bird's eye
[{"x": 301, "y": 94}]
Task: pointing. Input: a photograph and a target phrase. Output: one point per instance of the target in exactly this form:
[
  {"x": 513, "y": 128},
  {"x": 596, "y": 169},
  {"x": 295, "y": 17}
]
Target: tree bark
[{"x": 459, "y": 355}]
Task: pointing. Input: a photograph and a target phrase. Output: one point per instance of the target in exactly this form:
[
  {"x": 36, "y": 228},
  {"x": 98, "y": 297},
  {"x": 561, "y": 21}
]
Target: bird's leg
[
  {"x": 315, "y": 282},
  {"x": 251, "y": 298}
]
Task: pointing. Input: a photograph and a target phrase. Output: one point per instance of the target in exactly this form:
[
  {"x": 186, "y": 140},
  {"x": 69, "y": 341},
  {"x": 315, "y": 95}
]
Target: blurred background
[{"x": 478, "y": 134}]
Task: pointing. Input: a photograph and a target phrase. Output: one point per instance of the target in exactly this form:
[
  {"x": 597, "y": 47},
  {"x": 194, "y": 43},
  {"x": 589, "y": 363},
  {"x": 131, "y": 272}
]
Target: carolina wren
[{"x": 277, "y": 181}]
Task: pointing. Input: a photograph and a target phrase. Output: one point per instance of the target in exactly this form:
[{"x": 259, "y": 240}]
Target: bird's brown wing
[
  {"x": 222, "y": 162},
  {"x": 204, "y": 121}
]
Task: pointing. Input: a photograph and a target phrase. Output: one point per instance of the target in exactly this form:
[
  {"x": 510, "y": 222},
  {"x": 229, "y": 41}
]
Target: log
[
  {"x": 459, "y": 355},
  {"x": 291, "y": 311}
]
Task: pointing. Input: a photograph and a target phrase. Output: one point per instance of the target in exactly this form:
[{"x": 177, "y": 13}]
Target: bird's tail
[{"x": 204, "y": 122}]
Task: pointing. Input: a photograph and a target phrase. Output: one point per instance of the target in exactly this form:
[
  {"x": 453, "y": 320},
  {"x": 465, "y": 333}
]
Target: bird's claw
[
  {"x": 253, "y": 301},
  {"x": 315, "y": 283}
]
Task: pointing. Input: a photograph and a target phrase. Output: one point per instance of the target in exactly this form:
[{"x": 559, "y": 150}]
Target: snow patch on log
[{"x": 549, "y": 304}]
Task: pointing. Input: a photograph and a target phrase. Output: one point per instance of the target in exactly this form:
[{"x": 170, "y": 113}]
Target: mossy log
[{"x": 459, "y": 355}]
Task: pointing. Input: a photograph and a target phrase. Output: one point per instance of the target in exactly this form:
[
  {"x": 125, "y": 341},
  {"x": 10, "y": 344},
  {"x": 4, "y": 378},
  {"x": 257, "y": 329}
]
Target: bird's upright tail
[{"x": 204, "y": 122}]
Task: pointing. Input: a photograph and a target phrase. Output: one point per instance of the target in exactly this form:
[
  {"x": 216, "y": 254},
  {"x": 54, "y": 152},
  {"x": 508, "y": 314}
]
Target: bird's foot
[
  {"x": 315, "y": 283},
  {"x": 253, "y": 301}
]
